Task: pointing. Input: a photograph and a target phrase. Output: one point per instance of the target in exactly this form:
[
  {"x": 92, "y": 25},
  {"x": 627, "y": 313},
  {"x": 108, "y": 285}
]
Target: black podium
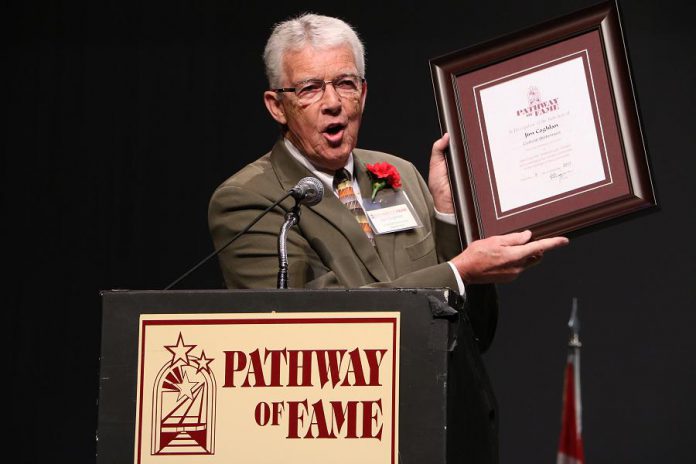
[{"x": 446, "y": 408}]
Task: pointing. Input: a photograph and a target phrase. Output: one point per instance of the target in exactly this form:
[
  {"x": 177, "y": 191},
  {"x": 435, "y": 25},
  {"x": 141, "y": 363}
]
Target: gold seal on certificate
[{"x": 544, "y": 130}]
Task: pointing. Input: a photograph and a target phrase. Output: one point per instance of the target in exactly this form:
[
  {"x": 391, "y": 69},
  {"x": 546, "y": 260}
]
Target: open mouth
[
  {"x": 334, "y": 132},
  {"x": 333, "y": 129}
]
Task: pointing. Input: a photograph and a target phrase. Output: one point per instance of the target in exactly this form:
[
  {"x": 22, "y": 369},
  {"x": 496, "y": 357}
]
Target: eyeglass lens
[{"x": 313, "y": 89}]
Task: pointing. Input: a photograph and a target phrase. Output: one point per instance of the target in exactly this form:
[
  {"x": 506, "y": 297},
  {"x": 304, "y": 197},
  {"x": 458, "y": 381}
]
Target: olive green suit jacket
[{"x": 328, "y": 248}]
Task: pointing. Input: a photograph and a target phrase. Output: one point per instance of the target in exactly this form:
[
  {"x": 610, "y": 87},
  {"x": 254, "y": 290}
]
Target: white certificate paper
[{"x": 542, "y": 137}]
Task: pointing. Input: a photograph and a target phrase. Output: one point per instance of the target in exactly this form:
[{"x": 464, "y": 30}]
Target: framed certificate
[{"x": 544, "y": 130}]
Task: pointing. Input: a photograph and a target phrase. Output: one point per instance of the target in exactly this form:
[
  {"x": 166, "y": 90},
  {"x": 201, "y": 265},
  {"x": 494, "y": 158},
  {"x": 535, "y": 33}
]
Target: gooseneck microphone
[{"x": 308, "y": 191}]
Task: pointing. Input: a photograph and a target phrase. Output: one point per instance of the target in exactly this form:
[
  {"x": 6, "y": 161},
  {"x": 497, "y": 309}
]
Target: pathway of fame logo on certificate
[{"x": 267, "y": 388}]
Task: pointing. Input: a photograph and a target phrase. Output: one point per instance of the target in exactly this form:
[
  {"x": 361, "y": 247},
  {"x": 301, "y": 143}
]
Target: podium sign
[
  {"x": 292, "y": 388},
  {"x": 376, "y": 376}
]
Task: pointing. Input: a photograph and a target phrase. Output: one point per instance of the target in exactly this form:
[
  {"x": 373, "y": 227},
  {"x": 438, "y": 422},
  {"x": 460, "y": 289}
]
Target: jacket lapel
[
  {"x": 385, "y": 243},
  {"x": 338, "y": 218}
]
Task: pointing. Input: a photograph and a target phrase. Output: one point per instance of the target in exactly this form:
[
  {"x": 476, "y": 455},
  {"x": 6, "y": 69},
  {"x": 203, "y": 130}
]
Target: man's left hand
[{"x": 438, "y": 180}]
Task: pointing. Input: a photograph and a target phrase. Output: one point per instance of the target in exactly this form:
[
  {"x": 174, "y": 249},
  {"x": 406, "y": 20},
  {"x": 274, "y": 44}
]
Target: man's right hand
[{"x": 502, "y": 258}]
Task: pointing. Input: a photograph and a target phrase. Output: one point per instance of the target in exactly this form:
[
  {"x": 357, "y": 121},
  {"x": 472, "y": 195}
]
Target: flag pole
[{"x": 570, "y": 447}]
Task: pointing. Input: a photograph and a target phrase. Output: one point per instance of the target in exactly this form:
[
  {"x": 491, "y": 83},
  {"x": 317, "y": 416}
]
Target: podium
[{"x": 364, "y": 375}]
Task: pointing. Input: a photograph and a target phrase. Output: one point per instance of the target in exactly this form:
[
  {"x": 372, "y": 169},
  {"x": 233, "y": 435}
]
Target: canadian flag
[{"x": 570, "y": 448}]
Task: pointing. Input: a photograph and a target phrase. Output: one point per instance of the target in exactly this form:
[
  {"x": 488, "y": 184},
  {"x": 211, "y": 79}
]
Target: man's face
[{"x": 325, "y": 131}]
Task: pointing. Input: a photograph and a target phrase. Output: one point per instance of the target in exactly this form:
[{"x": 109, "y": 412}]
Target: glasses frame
[{"x": 324, "y": 83}]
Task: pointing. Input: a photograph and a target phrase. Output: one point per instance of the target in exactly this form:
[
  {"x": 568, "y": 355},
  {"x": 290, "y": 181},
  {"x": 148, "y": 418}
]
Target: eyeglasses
[{"x": 311, "y": 90}]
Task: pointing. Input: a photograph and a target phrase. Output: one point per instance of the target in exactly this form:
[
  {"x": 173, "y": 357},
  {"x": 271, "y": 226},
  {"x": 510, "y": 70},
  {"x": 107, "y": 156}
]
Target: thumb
[{"x": 442, "y": 143}]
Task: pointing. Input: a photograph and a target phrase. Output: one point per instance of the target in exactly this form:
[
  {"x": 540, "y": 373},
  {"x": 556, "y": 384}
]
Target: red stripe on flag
[{"x": 570, "y": 447}]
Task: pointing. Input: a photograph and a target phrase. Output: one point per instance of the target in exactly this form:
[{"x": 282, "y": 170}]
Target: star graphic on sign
[
  {"x": 180, "y": 351},
  {"x": 186, "y": 388},
  {"x": 202, "y": 363}
]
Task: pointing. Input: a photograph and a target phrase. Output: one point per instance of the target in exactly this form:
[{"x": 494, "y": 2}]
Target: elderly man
[{"x": 316, "y": 68}]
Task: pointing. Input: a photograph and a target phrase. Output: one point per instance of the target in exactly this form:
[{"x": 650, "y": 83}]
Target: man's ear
[
  {"x": 363, "y": 98},
  {"x": 275, "y": 106}
]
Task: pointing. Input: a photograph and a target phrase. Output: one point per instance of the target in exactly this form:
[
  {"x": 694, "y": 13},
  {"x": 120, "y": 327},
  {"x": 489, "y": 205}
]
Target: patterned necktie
[{"x": 344, "y": 186}]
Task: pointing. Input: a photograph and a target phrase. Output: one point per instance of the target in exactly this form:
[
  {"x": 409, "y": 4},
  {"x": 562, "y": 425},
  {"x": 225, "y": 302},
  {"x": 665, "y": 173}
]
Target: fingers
[
  {"x": 545, "y": 244},
  {"x": 503, "y": 258},
  {"x": 532, "y": 260},
  {"x": 535, "y": 247},
  {"x": 553, "y": 242},
  {"x": 515, "y": 238},
  {"x": 539, "y": 247},
  {"x": 438, "y": 181}
]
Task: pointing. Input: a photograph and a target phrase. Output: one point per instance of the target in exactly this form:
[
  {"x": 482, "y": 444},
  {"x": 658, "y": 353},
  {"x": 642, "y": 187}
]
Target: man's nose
[{"x": 331, "y": 100}]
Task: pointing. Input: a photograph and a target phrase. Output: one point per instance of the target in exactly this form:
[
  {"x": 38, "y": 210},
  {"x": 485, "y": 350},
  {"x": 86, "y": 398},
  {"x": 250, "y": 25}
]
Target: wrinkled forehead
[{"x": 310, "y": 62}]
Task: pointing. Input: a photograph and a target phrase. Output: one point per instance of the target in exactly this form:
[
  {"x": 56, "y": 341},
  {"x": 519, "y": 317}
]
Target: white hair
[{"x": 309, "y": 29}]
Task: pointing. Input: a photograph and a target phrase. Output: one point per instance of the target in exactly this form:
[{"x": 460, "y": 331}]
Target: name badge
[{"x": 391, "y": 211}]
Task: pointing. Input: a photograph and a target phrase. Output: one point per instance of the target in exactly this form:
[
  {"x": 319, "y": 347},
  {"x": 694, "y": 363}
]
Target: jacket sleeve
[{"x": 251, "y": 261}]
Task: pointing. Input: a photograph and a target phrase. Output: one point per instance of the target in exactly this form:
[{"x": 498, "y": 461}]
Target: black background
[{"x": 123, "y": 116}]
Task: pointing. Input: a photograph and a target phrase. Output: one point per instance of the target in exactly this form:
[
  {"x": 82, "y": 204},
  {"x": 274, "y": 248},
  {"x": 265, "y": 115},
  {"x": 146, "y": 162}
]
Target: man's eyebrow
[{"x": 341, "y": 74}]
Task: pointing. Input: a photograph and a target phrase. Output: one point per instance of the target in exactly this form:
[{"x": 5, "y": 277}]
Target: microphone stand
[
  {"x": 239, "y": 234},
  {"x": 292, "y": 218},
  {"x": 309, "y": 191}
]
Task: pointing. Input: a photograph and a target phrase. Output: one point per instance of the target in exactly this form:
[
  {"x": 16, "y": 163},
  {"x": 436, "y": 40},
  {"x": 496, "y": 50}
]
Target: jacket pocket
[{"x": 421, "y": 248}]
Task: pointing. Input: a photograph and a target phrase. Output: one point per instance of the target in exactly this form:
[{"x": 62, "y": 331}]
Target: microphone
[{"x": 308, "y": 191}]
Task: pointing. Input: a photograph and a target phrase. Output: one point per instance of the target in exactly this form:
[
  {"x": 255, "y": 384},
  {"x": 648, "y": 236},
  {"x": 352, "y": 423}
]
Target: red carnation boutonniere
[{"x": 383, "y": 175}]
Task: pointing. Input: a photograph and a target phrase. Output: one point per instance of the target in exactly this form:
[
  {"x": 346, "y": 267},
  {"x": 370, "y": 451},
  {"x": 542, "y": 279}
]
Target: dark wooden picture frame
[{"x": 594, "y": 36}]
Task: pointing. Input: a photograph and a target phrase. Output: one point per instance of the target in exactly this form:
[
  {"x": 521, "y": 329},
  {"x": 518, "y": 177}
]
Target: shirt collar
[{"x": 325, "y": 177}]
